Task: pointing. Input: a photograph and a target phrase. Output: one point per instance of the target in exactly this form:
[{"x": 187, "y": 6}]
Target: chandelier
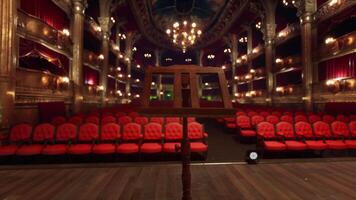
[{"x": 184, "y": 35}]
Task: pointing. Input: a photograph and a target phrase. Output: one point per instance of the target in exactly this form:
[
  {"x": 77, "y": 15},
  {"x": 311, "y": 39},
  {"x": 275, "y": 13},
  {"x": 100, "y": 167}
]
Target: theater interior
[{"x": 168, "y": 99}]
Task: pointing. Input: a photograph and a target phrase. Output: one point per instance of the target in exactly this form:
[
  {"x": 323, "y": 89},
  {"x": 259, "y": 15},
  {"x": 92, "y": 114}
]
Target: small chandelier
[{"x": 184, "y": 35}]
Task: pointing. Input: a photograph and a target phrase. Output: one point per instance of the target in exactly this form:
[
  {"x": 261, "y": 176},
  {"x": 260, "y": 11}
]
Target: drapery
[
  {"x": 91, "y": 76},
  {"x": 47, "y": 11},
  {"x": 341, "y": 67}
]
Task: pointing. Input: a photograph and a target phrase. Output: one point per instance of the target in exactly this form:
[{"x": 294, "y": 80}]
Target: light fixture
[
  {"x": 65, "y": 32},
  {"x": 278, "y": 60},
  {"x": 258, "y": 25},
  {"x": 206, "y": 84},
  {"x": 118, "y": 68},
  {"x": 329, "y": 40},
  {"x": 113, "y": 20},
  {"x": 98, "y": 29},
  {"x": 168, "y": 59},
  {"x": 223, "y": 67},
  {"x": 211, "y": 56},
  {"x": 137, "y": 80},
  {"x": 100, "y": 87},
  {"x": 147, "y": 55},
  {"x": 184, "y": 35},
  {"x": 138, "y": 66},
  {"x": 122, "y": 36},
  {"x": 188, "y": 60},
  {"x": 227, "y": 50},
  {"x": 333, "y": 2},
  {"x": 243, "y": 40},
  {"x": 289, "y": 2},
  {"x": 134, "y": 49},
  {"x": 252, "y": 157},
  {"x": 101, "y": 57},
  {"x": 153, "y": 83}
]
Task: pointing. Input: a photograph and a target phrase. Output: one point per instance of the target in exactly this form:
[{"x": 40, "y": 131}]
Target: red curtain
[
  {"x": 91, "y": 76},
  {"x": 47, "y": 11},
  {"x": 341, "y": 67}
]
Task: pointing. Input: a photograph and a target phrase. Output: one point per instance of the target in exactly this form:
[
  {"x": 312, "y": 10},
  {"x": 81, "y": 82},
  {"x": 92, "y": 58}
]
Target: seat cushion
[
  {"x": 128, "y": 148},
  {"x": 274, "y": 146},
  {"x": 336, "y": 144},
  {"x": 29, "y": 150},
  {"x": 8, "y": 150},
  {"x": 198, "y": 147},
  {"x": 231, "y": 125},
  {"x": 151, "y": 148},
  {"x": 248, "y": 133},
  {"x": 104, "y": 148},
  {"x": 351, "y": 144},
  {"x": 295, "y": 145},
  {"x": 171, "y": 147},
  {"x": 316, "y": 145},
  {"x": 78, "y": 149},
  {"x": 56, "y": 149}
]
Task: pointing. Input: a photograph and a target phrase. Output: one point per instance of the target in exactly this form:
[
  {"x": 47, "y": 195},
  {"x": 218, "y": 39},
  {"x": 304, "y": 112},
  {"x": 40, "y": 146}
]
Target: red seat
[
  {"x": 133, "y": 114},
  {"x": 300, "y": 118},
  {"x": 343, "y": 118},
  {"x": 58, "y": 120},
  {"x": 198, "y": 147},
  {"x": 173, "y": 136},
  {"x": 159, "y": 120},
  {"x": 285, "y": 129},
  {"x": 110, "y": 134},
  {"x": 94, "y": 114},
  {"x": 264, "y": 113},
  {"x": 120, "y": 114},
  {"x": 287, "y": 118},
  {"x": 351, "y": 143},
  {"x": 305, "y": 130},
  {"x": 108, "y": 119},
  {"x": 266, "y": 131},
  {"x": 276, "y": 113},
  {"x": 8, "y": 150},
  {"x": 197, "y": 136},
  {"x": 273, "y": 119},
  {"x": 314, "y": 118},
  {"x": 125, "y": 120},
  {"x": 172, "y": 119},
  {"x": 88, "y": 133},
  {"x": 251, "y": 113},
  {"x": 190, "y": 119},
  {"x": 141, "y": 120},
  {"x": 239, "y": 113},
  {"x": 322, "y": 129},
  {"x": 42, "y": 133},
  {"x": 93, "y": 120},
  {"x": 65, "y": 133},
  {"x": 353, "y": 117},
  {"x": 288, "y": 113},
  {"x": 245, "y": 127},
  {"x": 257, "y": 119},
  {"x": 152, "y": 138},
  {"x": 107, "y": 114},
  {"x": 328, "y": 119},
  {"x": 131, "y": 137},
  {"x": 76, "y": 120}
]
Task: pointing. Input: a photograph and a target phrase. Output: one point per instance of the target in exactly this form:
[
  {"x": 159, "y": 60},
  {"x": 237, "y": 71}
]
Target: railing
[
  {"x": 332, "y": 7},
  {"x": 289, "y": 90},
  {"x": 288, "y": 62},
  {"x": 336, "y": 86},
  {"x": 288, "y": 32},
  {"x": 34, "y": 28},
  {"x": 336, "y": 46},
  {"x": 91, "y": 59}
]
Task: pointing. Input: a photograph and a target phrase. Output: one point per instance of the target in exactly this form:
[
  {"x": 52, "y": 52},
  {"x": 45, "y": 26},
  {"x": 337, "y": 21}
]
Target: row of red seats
[
  {"x": 67, "y": 139},
  {"x": 78, "y": 120},
  {"x": 303, "y": 135}
]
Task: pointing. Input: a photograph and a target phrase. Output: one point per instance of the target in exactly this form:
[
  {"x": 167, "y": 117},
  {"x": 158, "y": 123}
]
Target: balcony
[
  {"x": 287, "y": 33},
  {"x": 337, "y": 46}
]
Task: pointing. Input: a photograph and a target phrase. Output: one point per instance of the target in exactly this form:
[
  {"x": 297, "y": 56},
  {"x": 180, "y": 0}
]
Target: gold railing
[
  {"x": 335, "y": 46},
  {"x": 287, "y": 32}
]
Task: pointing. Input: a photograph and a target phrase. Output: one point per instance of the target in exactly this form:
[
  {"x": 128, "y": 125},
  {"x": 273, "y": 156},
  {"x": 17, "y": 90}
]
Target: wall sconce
[{"x": 100, "y": 88}]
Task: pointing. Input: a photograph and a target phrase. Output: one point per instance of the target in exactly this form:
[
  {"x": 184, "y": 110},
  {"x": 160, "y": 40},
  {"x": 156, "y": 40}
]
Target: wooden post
[{"x": 186, "y": 177}]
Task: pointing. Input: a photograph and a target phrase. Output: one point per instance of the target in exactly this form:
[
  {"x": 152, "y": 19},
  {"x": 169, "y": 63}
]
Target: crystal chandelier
[{"x": 184, "y": 35}]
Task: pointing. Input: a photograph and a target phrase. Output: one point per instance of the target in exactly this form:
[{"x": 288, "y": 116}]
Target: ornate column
[
  {"x": 249, "y": 51},
  {"x": 105, "y": 24},
  {"x": 234, "y": 55},
  {"x": 159, "y": 87},
  {"x": 8, "y": 61},
  {"x": 129, "y": 42},
  {"x": 306, "y": 10},
  {"x": 78, "y": 7},
  {"x": 199, "y": 57},
  {"x": 269, "y": 38}
]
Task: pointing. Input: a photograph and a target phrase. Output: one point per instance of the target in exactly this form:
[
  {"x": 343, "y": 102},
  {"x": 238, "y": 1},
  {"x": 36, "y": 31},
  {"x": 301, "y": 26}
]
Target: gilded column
[
  {"x": 159, "y": 87},
  {"x": 78, "y": 7},
  {"x": 105, "y": 24},
  {"x": 306, "y": 10},
  {"x": 234, "y": 55},
  {"x": 199, "y": 57},
  {"x": 249, "y": 52},
  {"x": 129, "y": 42},
  {"x": 8, "y": 61}
]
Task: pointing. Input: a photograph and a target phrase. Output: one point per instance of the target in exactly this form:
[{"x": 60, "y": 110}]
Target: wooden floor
[{"x": 313, "y": 180}]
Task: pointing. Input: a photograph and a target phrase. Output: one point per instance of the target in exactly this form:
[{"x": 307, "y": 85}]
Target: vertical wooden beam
[
  {"x": 177, "y": 90},
  {"x": 223, "y": 90},
  {"x": 194, "y": 90},
  {"x": 147, "y": 88}
]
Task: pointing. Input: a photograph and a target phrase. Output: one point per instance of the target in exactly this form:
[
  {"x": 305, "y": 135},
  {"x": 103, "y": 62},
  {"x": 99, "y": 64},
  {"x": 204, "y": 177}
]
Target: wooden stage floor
[{"x": 306, "y": 180}]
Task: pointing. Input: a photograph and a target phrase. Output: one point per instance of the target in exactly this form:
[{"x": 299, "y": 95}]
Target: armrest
[{"x": 205, "y": 135}]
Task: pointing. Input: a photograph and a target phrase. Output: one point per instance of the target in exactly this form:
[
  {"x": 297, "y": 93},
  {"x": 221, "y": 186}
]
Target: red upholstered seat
[
  {"x": 251, "y": 113},
  {"x": 316, "y": 144},
  {"x": 105, "y": 148},
  {"x": 343, "y": 118},
  {"x": 328, "y": 119},
  {"x": 125, "y": 120},
  {"x": 151, "y": 147},
  {"x": 88, "y": 133},
  {"x": 133, "y": 114},
  {"x": 276, "y": 113},
  {"x": 8, "y": 150},
  {"x": 285, "y": 129},
  {"x": 353, "y": 117},
  {"x": 79, "y": 149},
  {"x": 58, "y": 120},
  {"x": 141, "y": 120},
  {"x": 274, "y": 146},
  {"x": 243, "y": 122},
  {"x": 288, "y": 113},
  {"x": 173, "y": 135},
  {"x": 196, "y": 135},
  {"x": 131, "y": 134},
  {"x": 300, "y": 118},
  {"x": 110, "y": 133},
  {"x": 93, "y": 120},
  {"x": 287, "y": 118},
  {"x": 295, "y": 145},
  {"x": 20, "y": 133},
  {"x": 55, "y": 149},
  {"x": 190, "y": 119},
  {"x": 65, "y": 133},
  {"x": 305, "y": 130},
  {"x": 351, "y": 144},
  {"x": 120, "y": 114},
  {"x": 264, "y": 113},
  {"x": 94, "y": 114},
  {"x": 239, "y": 113},
  {"x": 152, "y": 138},
  {"x": 198, "y": 147},
  {"x": 323, "y": 129},
  {"x": 266, "y": 131},
  {"x": 159, "y": 120},
  {"x": 128, "y": 148},
  {"x": 108, "y": 119},
  {"x": 43, "y": 133},
  {"x": 273, "y": 119},
  {"x": 340, "y": 129},
  {"x": 172, "y": 119},
  {"x": 257, "y": 119},
  {"x": 76, "y": 120},
  {"x": 314, "y": 118},
  {"x": 171, "y": 147}
]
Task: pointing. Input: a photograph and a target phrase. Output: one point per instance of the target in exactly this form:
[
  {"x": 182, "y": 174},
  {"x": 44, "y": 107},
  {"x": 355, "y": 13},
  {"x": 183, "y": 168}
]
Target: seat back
[
  {"x": 58, "y": 120},
  {"x": 352, "y": 126},
  {"x": 314, "y": 118},
  {"x": 43, "y": 132},
  {"x": 120, "y": 114},
  {"x": 108, "y": 119},
  {"x": 152, "y": 131},
  {"x": 264, "y": 113},
  {"x": 287, "y": 118},
  {"x": 299, "y": 113},
  {"x": 132, "y": 131},
  {"x": 125, "y": 120},
  {"x": 66, "y": 132},
  {"x": 273, "y": 119},
  {"x": 20, "y": 132},
  {"x": 110, "y": 132},
  {"x": 304, "y": 129},
  {"x": 141, "y": 120},
  {"x": 159, "y": 120},
  {"x": 285, "y": 129},
  {"x": 266, "y": 130},
  {"x": 173, "y": 131},
  {"x": 240, "y": 113},
  {"x": 76, "y": 120},
  {"x": 300, "y": 118},
  {"x": 191, "y": 119},
  {"x": 172, "y": 119},
  {"x": 94, "y": 114},
  {"x": 133, "y": 114},
  {"x": 195, "y": 131},
  {"x": 107, "y": 114},
  {"x": 257, "y": 119},
  {"x": 277, "y": 113},
  {"x": 88, "y": 132},
  {"x": 353, "y": 117},
  {"x": 343, "y": 118},
  {"x": 93, "y": 120},
  {"x": 251, "y": 113},
  {"x": 328, "y": 119},
  {"x": 340, "y": 129},
  {"x": 243, "y": 122},
  {"x": 288, "y": 113},
  {"x": 322, "y": 129}
]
